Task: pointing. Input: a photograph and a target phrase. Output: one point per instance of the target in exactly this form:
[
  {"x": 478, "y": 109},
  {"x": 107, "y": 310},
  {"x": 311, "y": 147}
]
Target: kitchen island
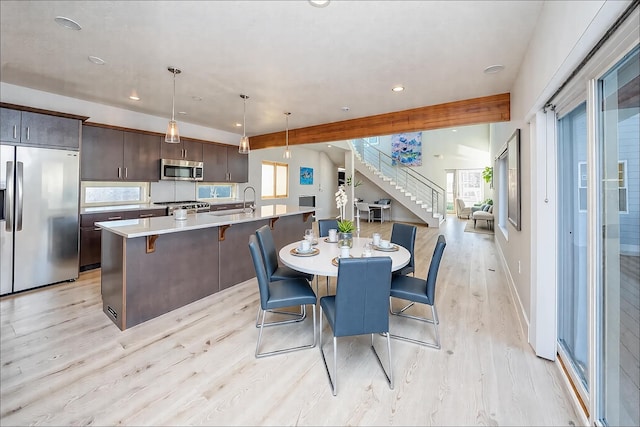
[{"x": 154, "y": 265}]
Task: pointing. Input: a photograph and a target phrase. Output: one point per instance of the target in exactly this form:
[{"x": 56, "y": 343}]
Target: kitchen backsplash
[{"x": 165, "y": 191}]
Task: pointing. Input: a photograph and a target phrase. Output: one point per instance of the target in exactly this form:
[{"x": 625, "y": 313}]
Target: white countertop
[{"x": 131, "y": 228}]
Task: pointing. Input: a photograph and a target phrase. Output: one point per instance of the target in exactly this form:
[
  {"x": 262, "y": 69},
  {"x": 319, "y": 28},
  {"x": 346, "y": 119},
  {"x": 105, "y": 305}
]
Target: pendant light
[
  {"x": 173, "y": 136},
  {"x": 287, "y": 152},
  {"x": 243, "y": 148}
]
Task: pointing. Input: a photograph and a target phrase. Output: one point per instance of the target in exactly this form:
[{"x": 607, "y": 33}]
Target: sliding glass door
[
  {"x": 573, "y": 305},
  {"x": 618, "y": 287}
]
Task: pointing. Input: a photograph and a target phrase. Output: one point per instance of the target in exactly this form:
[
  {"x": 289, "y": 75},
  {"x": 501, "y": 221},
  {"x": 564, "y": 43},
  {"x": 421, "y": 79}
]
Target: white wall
[
  {"x": 565, "y": 32},
  {"x": 466, "y": 148},
  {"x": 325, "y": 177}
]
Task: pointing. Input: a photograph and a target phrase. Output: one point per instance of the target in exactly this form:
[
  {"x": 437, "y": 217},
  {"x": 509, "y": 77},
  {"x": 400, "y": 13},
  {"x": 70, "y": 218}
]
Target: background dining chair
[
  {"x": 364, "y": 207},
  {"x": 324, "y": 225},
  {"x": 276, "y": 272},
  {"x": 280, "y": 294},
  {"x": 420, "y": 291},
  {"x": 270, "y": 255},
  {"x": 359, "y": 307},
  {"x": 405, "y": 236}
]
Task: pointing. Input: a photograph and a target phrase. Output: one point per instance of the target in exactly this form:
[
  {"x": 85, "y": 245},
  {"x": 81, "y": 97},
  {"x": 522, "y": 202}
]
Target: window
[
  {"x": 216, "y": 191},
  {"x": 108, "y": 193},
  {"x": 275, "y": 180},
  {"x": 470, "y": 186}
]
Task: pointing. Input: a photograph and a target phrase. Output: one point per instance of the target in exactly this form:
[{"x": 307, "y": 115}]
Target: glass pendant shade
[
  {"x": 243, "y": 147},
  {"x": 287, "y": 154},
  {"x": 172, "y": 136}
]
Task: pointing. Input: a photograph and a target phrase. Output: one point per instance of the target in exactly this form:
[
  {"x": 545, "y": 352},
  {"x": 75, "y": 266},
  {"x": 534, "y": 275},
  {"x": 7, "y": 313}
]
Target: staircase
[{"x": 420, "y": 195}]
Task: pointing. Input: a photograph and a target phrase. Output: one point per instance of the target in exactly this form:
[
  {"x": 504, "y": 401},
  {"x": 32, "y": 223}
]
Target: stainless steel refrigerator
[{"x": 39, "y": 217}]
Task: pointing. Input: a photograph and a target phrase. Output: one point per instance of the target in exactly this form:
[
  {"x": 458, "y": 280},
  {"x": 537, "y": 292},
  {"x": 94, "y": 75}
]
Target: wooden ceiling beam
[{"x": 488, "y": 109}]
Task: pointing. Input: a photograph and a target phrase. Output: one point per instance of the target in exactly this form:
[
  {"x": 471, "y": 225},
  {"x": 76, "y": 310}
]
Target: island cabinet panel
[
  {"x": 236, "y": 264},
  {"x": 181, "y": 269},
  {"x": 288, "y": 229}
]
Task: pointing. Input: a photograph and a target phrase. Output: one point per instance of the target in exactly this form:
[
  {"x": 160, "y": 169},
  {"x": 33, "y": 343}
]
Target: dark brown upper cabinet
[
  {"x": 113, "y": 155},
  {"x": 42, "y": 130}
]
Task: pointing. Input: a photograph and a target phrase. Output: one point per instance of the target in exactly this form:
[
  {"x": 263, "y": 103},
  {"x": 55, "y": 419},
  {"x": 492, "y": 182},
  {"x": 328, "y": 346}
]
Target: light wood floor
[{"x": 65, "y": 363}]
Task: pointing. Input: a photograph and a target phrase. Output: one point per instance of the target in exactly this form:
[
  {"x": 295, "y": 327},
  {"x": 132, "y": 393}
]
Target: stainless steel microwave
[{"x": 181, "y": 170}]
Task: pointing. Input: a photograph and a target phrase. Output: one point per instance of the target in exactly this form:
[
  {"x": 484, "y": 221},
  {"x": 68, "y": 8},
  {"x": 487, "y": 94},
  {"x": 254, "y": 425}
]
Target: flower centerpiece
[{"x": 345, "y": 226}]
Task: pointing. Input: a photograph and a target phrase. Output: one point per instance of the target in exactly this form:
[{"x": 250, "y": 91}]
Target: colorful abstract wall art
[
  {"x": 306, "y": 176},
  {"x": 406, "y": 149}
]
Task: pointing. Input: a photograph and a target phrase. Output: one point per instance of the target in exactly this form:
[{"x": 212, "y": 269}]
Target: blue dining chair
[
  {"x": 276, "y": 272},
  {"x": 419, "y": 291},
  {"x": 280, "y": 294},
  {"x": 360, "y": 306},
  {"x": 405, "y": 236},
  {"x": 324, "y": 225}
]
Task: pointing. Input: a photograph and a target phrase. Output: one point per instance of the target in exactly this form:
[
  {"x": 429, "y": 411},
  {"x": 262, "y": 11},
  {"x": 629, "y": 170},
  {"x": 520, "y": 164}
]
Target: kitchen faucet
[{"x": 244, "y": 198}]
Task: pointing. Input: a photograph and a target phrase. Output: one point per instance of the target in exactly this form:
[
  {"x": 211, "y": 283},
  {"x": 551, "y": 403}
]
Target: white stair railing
[{"x": 419, "y": 188}]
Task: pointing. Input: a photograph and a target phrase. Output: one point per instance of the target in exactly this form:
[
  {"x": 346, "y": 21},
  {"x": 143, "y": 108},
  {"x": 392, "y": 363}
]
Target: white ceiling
[{"x": 286, "y": 55}]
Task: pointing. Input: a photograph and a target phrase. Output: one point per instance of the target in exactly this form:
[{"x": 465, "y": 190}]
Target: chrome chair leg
[
  {"x": 297, "y": 317},
  {"x": 434, "y": 321},
  {"x": 389, "y": 376},
  {"x": 284, "y": 350},
  {"x": 332, "y": 382}
]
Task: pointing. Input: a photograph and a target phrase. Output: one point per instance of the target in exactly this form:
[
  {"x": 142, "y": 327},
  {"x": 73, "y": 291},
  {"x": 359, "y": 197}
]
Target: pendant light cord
[
  {"x": 244, "y": 117},
  {"x": 173, "y": 102}
]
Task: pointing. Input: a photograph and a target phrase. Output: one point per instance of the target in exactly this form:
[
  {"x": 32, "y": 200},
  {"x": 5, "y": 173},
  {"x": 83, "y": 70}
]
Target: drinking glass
[
  {"x": 367, "y": 250},
  {"x": 308, "y": 234}
]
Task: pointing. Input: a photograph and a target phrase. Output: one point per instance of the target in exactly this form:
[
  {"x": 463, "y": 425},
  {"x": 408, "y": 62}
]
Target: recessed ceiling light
[
  {"x": 398, "y": 88},
  {"x": 96, "y": 60},
  {"x": 67, "y": 23},
  {"x": 134, "y": 98},
  {"x": 492, "y": 69},
  {"x": 238, "y": 125},
  {"x": 196, "y": 98},
  {"x": 184, "y": 113},
  {"x": 329, "y": 145},
  {"x": 319, "y": 3},
  {"x": 454, "y": 130},
  {"x": 345, "y": 109}
]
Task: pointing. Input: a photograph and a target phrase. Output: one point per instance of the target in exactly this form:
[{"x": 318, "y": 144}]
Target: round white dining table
[{"x": 321, "y": 264}]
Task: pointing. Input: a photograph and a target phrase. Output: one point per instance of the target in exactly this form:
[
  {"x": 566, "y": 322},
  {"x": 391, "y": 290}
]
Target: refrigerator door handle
[
  {"x": 8, "y": 200},
  {"x": 19, "y": 193}
]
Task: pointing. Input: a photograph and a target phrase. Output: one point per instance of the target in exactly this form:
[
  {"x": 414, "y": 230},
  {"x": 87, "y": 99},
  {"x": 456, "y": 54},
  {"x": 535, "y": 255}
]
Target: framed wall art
[
  {"x": 513, "y": 162},
  {"x": 406, "y": 149},
  {"x": 306, "y": 176}
]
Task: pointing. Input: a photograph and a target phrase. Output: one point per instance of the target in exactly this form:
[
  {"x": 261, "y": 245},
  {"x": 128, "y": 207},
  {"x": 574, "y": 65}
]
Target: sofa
[{"x": 485, "y": 213}]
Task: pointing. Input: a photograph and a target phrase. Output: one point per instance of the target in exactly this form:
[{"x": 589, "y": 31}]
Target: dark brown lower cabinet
[{"x": 90, "y": 235}]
